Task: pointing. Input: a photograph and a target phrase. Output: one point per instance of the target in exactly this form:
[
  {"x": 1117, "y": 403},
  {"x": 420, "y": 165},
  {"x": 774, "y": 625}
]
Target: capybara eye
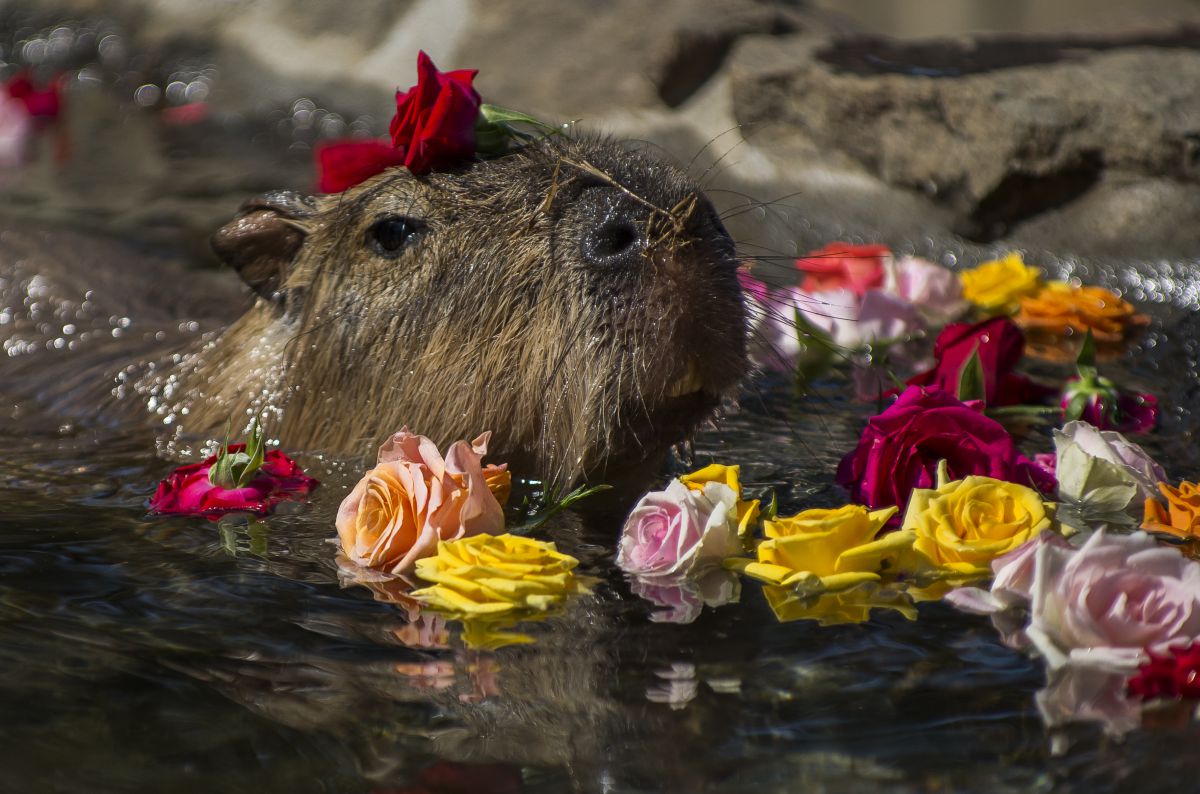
[{"x": 388, "y": 236}]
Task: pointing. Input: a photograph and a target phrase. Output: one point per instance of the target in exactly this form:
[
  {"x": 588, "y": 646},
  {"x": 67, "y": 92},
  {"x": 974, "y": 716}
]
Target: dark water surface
[{"x": 149, "y": 655}]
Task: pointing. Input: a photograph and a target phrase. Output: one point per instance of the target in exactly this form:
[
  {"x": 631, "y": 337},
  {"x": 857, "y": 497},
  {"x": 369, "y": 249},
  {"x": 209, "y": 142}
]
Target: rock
[
  {"x": 998, "y": 130},
  {"x": 582, "y": 59}
]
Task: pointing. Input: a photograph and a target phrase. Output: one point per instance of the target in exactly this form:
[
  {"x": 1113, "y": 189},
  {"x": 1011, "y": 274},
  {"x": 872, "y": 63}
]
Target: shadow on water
[{"x": 156, "y": 655}]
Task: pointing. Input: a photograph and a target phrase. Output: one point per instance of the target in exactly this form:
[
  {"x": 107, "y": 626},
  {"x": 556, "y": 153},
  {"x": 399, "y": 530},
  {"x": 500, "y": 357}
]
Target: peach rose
[
  {"x": 1061, "y": 308},
  {"x": 413, "y": 498}
]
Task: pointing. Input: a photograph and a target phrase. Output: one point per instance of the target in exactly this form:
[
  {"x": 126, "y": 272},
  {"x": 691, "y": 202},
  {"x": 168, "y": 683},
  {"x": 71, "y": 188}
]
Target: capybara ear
[{"x": 263, "y": 240}]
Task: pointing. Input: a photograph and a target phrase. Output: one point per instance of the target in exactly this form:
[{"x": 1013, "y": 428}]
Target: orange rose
[
  {"x": 1061, "y": 308},
  {"x": 499, "y": 481},
  {"x": 414, "y": 498},
  {"x": 1181, "y": 516}
]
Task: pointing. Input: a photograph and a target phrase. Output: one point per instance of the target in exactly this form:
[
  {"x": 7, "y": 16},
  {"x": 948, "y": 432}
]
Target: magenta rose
[
  {"x": 1000, "y": 344},
  {"x": 900, "y": 448},
  {"x": 187, "y": 490},
  {"x": 1106, "y": 407}
]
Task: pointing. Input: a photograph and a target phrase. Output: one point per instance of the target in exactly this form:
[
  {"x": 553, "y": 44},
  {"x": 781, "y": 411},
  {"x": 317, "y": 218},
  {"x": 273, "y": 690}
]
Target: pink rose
[
  {"x": 777, "y": 342},
  {"x": 1012, "y": 578},
  {"x": 851, "y": 320},
  {"x": 900, "y": 448},
  {"x": 1109, "y": 602},
  {"x": 188, "y": 491},
  {"x": 838, "y": 266},
  {"x": 934, "y": 290},
  {"x": 413, "y": 498},
  {"x": 677, "y": 531}
]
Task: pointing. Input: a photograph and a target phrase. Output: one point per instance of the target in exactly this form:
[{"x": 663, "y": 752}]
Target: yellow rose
[
  {"x": 824, "y": 550},
  {"x": 494, "y": 574},
  {"x": 962, "y": 526},
  {"x": 747, "y": 512},
  {"x": 832, "y": 609},
  {"x": 998, "y": 285}
]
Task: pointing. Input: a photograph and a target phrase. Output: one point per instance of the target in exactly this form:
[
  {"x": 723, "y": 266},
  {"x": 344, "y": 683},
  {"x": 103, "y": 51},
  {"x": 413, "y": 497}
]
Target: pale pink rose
[
  {"x": 1012, "y": 578},
  {"x": 852, "y": 321},
  {"x": 16, "y": 129},
  {"x": 934, "y": 290},
  {"x": 677, "y": 531},
  {"x": 1106, "y": 603},
  {"x": 413, "y": 498}
]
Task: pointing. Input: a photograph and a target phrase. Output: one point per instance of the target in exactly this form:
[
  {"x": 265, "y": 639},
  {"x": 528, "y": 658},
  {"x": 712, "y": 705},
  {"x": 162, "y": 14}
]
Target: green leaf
[
  {"x": 254, "y": 454},
  {"x": 233, "y": 470},
  {"x": 556, "y": 505},
  {"x": 971, "y": 385}
]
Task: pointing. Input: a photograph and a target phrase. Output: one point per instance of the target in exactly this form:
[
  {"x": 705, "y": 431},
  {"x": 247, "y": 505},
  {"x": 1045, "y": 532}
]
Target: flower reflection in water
[{"x": 845, "y": 606}]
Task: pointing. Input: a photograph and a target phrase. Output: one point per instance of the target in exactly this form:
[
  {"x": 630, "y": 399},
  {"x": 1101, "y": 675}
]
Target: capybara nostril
[{"x": 615, "y": 242}]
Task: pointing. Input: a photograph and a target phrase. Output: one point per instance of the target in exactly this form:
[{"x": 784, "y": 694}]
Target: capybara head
[{"x": 576, "y": 298}]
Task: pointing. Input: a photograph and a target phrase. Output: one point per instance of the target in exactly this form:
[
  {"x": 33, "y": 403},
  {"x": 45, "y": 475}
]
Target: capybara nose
[{"x": 614, "y": 242}]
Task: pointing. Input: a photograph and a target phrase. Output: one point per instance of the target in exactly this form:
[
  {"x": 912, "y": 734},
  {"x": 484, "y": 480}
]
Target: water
[{"x": 141, "y": 654}]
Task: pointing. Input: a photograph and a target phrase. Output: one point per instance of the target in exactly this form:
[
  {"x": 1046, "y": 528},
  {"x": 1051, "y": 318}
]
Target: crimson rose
[
  {"x": 188, "y": 490},
  {"x": 1175, "y": 674},
  {"x": 434, "y": 125},
  {"x": 900, "y": 448},
  {"x": 1000, "y": 344},
  {"x": 344, "y": 164}
]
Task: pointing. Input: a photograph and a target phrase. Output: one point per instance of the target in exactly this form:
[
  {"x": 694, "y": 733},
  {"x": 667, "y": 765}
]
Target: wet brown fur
[{"x": 491, "y": 320}]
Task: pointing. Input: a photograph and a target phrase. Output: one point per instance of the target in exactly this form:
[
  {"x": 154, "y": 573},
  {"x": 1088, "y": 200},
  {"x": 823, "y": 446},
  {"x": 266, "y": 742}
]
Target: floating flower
[
  {"x": 851, "y": 320},
  {"x": 935, "y": 291},
  {"x": 1103, "y": 478},
  {"x": 822, "y": 550},
  {"x": 1181, "y": 515},
  {"x": 1101, "y": 404},
  {"x": 680, "y": 530},
  {"x": 853, "y": 605},
  {"x": 490, "y": 575},
  {"x": 999, "y": 344},
  {"x": 998, "y": 286},
  {"x": 413, "y": 499},
  {"x": 842, "y": 266},
  {"x": 963, "y": 525},
  {"x": 261, "y": 481},
  {"x": 747, "y": 511},
  {"x": 1060, "y": 308},
  {"x": 1012, "y": 578},
  {"x": 900, "y": 449},
  {"x": 1173, "y": 674},
  {"x": 1112, "y": 601}
]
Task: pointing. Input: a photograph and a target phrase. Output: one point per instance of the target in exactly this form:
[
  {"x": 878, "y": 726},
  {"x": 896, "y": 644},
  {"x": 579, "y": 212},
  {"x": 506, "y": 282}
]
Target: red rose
[
  {"x": 1175, "y": 674},
  {"x": 344, "y": 164},
  {"x": 1000, "y": 344},
  {"x": 857, "y": 268},
  {"x": 434, "y": 125},
  {"x": 188, "y": 491},
  {"x": 900, "y": 448}
]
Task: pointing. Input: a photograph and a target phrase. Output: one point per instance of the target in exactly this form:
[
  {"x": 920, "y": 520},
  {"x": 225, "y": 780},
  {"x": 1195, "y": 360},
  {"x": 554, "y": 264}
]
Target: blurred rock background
[{"x": 946, "y": 127}]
